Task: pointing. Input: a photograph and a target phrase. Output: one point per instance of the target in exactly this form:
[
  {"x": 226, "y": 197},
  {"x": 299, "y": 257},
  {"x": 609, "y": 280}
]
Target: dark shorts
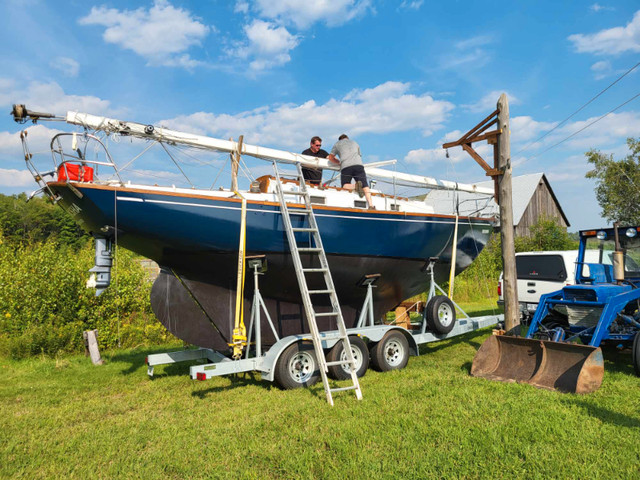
[{"x": 356, "y": 172}]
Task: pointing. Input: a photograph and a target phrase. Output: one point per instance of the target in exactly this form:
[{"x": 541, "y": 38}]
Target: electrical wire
[
  {"x": 583, "y": 128},
  {"x": 579, "y": 109}
]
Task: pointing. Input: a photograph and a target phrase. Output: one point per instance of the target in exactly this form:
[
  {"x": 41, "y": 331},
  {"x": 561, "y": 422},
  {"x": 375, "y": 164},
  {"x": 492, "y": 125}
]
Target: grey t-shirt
[{"x": 348, "y": 152}]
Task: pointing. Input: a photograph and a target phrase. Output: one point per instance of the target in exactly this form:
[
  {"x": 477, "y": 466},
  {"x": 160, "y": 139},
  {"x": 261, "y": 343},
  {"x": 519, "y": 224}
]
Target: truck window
[{"x": 541, "y": 267}]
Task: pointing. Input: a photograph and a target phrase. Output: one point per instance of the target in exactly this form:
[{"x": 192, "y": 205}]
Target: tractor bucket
[{"x": 565, "y": 367}]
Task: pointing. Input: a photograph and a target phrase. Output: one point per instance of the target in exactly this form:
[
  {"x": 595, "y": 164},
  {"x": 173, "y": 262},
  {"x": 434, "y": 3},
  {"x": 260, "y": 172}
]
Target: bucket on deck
[{"x": 565, "y": 367}]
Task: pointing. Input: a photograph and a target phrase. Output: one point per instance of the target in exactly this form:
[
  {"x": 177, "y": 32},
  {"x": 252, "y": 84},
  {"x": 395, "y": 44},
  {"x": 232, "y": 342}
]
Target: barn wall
[{"x": 541, "y": 204}]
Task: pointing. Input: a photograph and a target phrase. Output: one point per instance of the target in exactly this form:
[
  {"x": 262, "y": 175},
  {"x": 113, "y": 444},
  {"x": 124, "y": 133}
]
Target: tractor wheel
[
  {"x": 360, "y": 355},
  {"x": 390, "y": 353},
  {"x": 441, "y": 314},
  {"x": 635, "y": 354},
  {"x": 297, "y": 367}
]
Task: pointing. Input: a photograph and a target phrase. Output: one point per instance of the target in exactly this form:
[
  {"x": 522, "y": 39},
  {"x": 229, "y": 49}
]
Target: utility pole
[
  {"x": 501, "y": 174},
  {"x": 510, "y": 282}
]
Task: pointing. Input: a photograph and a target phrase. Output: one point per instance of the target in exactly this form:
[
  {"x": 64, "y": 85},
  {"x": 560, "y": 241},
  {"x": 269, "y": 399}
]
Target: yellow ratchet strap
[{"x": 239, "y": 337}]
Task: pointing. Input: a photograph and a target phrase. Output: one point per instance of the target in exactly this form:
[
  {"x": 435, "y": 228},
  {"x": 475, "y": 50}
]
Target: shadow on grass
[
  {"x": 468, "y": 338},
  {"x": 137, "y": 358},
  {"x": 605, "y": 415},
  {"x": 237, "y": 380}
]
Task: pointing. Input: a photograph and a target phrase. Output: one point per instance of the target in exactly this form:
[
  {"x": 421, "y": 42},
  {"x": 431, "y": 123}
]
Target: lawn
[{"x": 66, "y": 418}]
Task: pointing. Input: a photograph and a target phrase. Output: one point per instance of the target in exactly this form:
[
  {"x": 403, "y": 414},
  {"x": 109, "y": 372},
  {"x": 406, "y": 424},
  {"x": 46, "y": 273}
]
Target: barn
[{"x": 533, "y": 198}]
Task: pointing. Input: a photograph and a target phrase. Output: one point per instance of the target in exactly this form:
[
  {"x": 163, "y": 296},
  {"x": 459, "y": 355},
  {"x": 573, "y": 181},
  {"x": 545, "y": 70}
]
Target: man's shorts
[{"x": 356, "y": 172}]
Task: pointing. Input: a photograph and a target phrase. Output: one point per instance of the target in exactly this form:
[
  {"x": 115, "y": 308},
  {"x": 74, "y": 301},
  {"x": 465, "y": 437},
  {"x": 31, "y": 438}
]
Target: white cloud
[
  {"x": 303, "y": 14},
  {"x": 160, "y": 34},
  {"x": 601, "y": 69},
  {"x": 16, "y": 178},
  {"x": 38, "y": 136},
  {"x": 268, "y": 45},
  {"x": 489, "y": 101},
  {"x": 411, "y": 4},
  {"x": 68, "y": 66},
  {"x": 51, "y": 98},
  {"x": 468, "y": 52},
  {"x": 242, "y": 6},
  {"x": 389, "y": 107},
  {"x": 597, "y": 8},
  {"x": 525, "y": 128},
  {"x": 610, "y": 41}
]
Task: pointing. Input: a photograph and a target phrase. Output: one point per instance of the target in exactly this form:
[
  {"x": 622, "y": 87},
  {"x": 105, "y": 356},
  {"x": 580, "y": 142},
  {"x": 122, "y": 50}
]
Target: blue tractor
[{"x": 561, "y": 350}]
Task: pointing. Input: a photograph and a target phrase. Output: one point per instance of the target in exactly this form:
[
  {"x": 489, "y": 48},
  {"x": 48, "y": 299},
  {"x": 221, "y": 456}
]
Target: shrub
[{"x": 45, "y": 306}]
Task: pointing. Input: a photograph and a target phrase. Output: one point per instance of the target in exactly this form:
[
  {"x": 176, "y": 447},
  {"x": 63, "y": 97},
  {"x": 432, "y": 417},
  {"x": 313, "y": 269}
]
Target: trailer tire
[
  {"x": 360, "y": 355},
  {"x": 441, "y": 314},
  {"x": 297, "y": 367},
  {"x": 635, "y": 354},
  {"x": 390, "y": 353}
]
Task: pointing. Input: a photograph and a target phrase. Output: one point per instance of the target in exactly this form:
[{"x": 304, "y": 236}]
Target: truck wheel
[
  {"x": 360, "y": 355},
  {"x": 390, "y": 353},
  {"x": 635, "y": 354},
  {"x": 441, "y": 314},
  {"x": 297, "y": 367}
]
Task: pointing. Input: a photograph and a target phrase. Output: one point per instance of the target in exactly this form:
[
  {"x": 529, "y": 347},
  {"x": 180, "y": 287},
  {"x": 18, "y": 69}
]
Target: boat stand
[{"x": 220, "y": 364}]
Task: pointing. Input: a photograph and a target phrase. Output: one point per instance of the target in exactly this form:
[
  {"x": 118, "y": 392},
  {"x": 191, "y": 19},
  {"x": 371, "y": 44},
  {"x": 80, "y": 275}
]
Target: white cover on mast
[{"x": 139, "y": 130}]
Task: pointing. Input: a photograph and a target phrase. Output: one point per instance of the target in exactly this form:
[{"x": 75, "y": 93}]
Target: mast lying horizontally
[{"x": 151, "y": 132}]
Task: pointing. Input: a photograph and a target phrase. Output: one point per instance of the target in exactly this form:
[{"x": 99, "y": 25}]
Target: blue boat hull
[{"x": 195, "y": 238}]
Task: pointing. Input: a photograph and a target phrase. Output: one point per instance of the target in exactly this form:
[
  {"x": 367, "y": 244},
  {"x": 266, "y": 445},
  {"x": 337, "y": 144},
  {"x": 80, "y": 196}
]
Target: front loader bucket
[{"x": 565, "y": 367}]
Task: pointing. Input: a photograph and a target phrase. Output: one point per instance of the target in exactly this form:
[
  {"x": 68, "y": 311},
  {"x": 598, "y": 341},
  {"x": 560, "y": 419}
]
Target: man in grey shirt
[{"x": 351, "y": 167}]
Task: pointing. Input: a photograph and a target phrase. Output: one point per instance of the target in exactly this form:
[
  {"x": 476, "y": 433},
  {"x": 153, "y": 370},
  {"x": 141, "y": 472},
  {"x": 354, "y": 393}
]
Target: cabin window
[
  {"x": 394, "y": 207},
  {"x": 318, "y": 200},
  {"x": 359, "y": 204}
]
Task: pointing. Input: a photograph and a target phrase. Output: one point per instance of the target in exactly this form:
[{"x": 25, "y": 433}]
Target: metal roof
[{"x": 523, "y": 188}]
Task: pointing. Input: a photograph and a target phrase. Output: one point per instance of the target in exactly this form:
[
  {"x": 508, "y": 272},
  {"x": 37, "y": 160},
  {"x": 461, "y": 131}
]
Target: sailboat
[{"x": 193, "y": 233}]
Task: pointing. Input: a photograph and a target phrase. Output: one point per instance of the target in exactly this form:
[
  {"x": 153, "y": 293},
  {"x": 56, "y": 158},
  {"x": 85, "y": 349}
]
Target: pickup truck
[{"x": 539, "y": 273}]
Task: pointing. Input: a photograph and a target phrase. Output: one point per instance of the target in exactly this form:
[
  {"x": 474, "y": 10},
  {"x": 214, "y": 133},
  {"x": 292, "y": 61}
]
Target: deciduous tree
[{"x": 617, "y": 183}]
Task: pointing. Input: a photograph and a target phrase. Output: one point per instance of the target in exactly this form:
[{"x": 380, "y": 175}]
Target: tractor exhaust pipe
[
  {"x": 618, "y": 257},
  {"x": 564, "y": 367}
]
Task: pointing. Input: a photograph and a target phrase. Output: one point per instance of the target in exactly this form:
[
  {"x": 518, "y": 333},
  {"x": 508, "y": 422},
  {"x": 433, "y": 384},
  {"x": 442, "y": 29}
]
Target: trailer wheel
[
  {"x": 635, "y": 354},
  {"x": 390, "y": 353},
  {"x": 297, "y": 367},
  {"x": 441, "y": 314},
  {"x": 360, "y": 355}
]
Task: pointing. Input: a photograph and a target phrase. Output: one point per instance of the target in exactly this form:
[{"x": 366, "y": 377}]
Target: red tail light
[
  {"x": 201, "y": 376},
  {"x": 499, "y": 289}
]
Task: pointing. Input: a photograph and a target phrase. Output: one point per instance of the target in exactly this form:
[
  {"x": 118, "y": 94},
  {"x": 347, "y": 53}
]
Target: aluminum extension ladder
[{"x": 316, "y": 248}]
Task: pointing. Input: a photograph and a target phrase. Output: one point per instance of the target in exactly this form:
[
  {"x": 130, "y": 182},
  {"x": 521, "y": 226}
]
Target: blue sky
[{"x": 400, "y": 77}]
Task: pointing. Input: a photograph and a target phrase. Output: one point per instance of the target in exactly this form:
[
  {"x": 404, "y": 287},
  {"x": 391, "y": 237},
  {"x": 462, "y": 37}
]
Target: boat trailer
[{"x": 290, "y": 362}]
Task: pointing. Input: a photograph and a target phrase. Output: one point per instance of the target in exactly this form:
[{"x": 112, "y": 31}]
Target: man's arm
[{"x": 332, "y": 158}]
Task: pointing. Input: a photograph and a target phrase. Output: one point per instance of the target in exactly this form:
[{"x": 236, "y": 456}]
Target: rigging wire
[
  {"x": 583, "y": 128},
  {"x": 579, "y": 109}
]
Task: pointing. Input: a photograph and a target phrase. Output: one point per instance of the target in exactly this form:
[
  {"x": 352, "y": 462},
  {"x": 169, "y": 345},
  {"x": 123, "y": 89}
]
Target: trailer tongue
[
  {"x": 545, "y": 364},
  {"x": 603, "y": 307}
]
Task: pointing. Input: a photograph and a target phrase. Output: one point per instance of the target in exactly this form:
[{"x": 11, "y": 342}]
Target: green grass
[{"x": 65, "y": 418}]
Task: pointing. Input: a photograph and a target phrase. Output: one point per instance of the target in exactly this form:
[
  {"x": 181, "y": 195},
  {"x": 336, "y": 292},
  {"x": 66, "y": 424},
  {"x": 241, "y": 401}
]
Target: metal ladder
[{"x": 316, "y": 248}]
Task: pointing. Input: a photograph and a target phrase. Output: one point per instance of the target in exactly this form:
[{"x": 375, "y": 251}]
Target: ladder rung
[
  {"x": 342, "y": 389},
  {"x": 294, "y": 193},
  {"x": 304, "y": 229},
  {"x": 327, "y": 314},
  {"x": 339, "y": 362},
  {"x": 299, "y": 211},
  {"x": 320, "y": 292},
  {"x": 309, "y": 249},
  {"x": 311, "y": 270}
]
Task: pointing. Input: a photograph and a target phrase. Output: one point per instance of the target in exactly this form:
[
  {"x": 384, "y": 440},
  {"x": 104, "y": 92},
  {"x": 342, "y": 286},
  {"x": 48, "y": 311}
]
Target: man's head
[
  {"x": 343, "y": 136},
  {"x": 315, "y": 144}
]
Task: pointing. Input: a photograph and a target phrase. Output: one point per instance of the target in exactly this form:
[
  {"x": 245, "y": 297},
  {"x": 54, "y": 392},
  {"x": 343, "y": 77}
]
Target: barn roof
[{"x": 523, "y": 188}]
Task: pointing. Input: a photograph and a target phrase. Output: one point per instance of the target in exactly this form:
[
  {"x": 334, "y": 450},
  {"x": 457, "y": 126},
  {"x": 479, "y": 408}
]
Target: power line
[
  {"x": 585, "y": 127},
  {"x": 581, "y": 108}
]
